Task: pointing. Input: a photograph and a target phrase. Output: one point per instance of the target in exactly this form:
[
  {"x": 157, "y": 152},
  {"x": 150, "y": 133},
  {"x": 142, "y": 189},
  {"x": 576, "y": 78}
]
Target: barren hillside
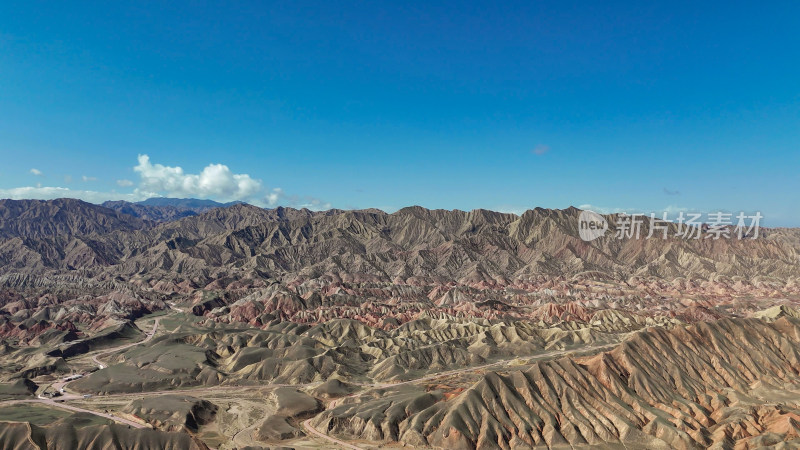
[{"x": 239, "y": 326}]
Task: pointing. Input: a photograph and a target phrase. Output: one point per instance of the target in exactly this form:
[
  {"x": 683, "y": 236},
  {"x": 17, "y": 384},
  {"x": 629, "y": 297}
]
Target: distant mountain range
[
  {"x": 64, "y": 216},
  {"x": 160, "y": 209},
  {"x": 165, "y": 238}
]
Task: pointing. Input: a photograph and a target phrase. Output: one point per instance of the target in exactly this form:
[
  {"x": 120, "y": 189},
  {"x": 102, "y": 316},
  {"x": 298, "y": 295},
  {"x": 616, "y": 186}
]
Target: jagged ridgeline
[{"x": 240, "y": 243}]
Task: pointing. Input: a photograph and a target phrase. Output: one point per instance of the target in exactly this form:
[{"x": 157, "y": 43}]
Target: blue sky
[{"x": 619, "y": 105}]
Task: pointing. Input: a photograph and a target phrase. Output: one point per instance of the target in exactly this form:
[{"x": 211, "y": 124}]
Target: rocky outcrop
[{"x": 173, "y": 412}]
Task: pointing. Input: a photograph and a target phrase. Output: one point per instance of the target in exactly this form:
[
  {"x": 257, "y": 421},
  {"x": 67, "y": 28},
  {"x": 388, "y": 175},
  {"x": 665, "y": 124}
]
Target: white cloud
[
  {"x": 608, "y": 210},
  {"x": 510, "y": 209},
  {"x": 216, "y": 180},
  {"x": 51, "y": 192},
  {"x": 670, "y": 210},
  {"x": 540, "y": 149},
  {"x": 277, "y": 196},
  {"x": 274, "y": 196},
  {"x": 313, "y": 204}
]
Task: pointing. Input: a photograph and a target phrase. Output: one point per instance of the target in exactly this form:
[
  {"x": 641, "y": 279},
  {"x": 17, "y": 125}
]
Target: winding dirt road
[
  {"x": 149, "y": 336},
  {"x": 310, "y": 428},
  {"x": 55, "y": 404},
  {"x": 61, "y": 384}
]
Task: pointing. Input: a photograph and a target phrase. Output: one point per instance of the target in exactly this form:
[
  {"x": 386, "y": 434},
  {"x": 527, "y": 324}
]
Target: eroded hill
[{"x": 240, "y": 326}]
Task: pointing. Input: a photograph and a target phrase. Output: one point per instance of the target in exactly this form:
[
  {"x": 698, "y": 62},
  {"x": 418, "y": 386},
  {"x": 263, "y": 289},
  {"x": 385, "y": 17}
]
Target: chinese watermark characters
[{"x": 687, "y": 226}]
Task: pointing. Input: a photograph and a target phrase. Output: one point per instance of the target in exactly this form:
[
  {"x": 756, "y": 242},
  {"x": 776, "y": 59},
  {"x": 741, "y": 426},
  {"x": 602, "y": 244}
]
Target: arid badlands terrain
[{"x": 183, "y": 325}]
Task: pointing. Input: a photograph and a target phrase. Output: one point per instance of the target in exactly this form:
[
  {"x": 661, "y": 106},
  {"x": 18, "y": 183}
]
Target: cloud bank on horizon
[{"x": 216, "y": 181}]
